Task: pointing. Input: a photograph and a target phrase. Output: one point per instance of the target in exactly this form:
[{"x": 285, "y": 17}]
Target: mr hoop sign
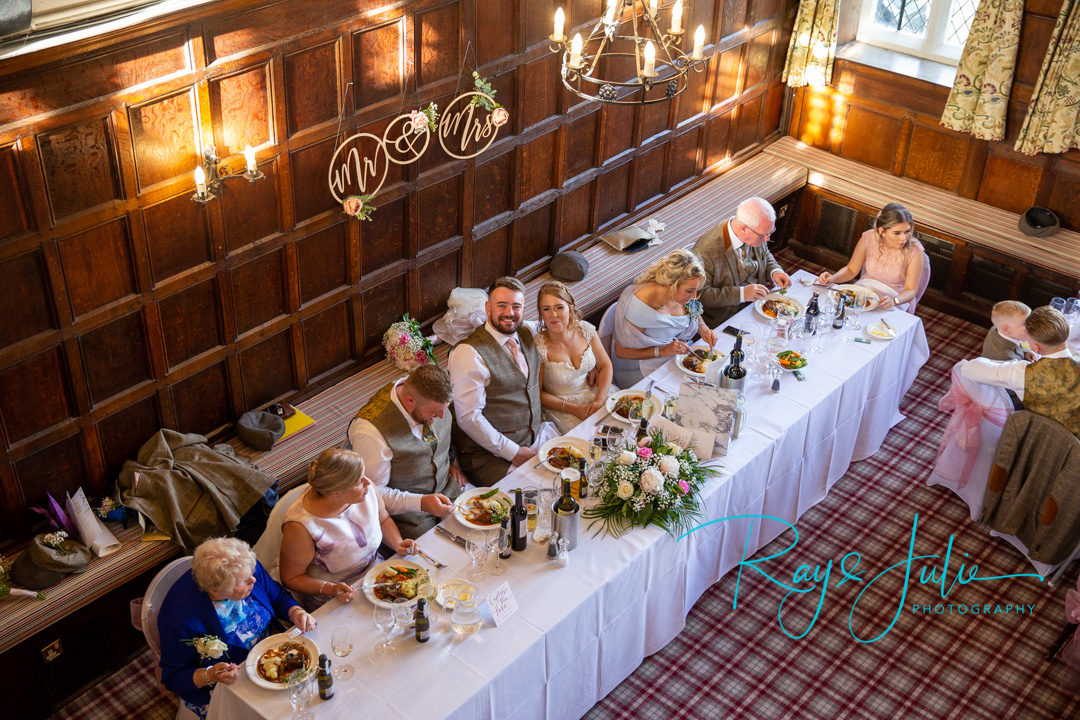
[{"x": 358, "y": 169}]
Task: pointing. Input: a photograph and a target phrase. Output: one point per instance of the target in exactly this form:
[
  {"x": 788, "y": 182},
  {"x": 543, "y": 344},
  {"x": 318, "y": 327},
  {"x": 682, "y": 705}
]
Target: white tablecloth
[{"x": 580, "y": 630}]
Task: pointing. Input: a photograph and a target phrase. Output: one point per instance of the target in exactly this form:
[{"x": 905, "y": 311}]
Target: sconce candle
[
  {"x": 699, "y": 43},
  {"x": 650, "y": 60},
  {"x": 609, "y": 17},
  {"x": 200, "y": 182},
  {"x": 560, "y": 21},
  {"x": 652, "y": 8},
  {"x": 676, "y": 17},
  {"x": 249, "y": 156},
  {"x": 575, "y": 51}
]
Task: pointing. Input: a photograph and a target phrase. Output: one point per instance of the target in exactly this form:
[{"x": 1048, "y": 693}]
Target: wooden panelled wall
[
  {"x": 128, "y": 307},
  {"x": 891, "y": 121}
]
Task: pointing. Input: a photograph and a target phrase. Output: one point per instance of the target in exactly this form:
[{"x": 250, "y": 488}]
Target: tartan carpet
[{"x": 739, "y": 663}]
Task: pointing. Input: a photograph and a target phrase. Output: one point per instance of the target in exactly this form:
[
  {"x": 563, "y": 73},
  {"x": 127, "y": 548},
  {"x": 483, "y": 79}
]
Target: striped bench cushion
[
  {"x": 686, "y": 219},
  {"x": 977, "y": 223}
]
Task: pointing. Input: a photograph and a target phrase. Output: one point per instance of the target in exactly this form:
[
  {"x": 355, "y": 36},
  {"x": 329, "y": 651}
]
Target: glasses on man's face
[{"x": 759, "y": 236}]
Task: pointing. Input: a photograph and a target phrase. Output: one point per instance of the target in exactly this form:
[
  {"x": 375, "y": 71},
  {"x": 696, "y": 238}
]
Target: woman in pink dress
[{"x": 887, "y": 253}]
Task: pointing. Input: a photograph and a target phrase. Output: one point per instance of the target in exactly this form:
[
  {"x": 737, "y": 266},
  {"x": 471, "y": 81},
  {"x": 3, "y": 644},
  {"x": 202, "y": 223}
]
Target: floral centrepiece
[
  {"x": 406, "y": 346},
  {"x": 209, "y": 647},
  {"x": 658, "y": 484},
  {"x": 358, "y": 206}
]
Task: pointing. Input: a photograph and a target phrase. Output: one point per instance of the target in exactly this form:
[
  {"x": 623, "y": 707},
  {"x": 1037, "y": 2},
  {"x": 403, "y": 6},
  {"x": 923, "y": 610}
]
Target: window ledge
[{"x": 897, "y": 62}]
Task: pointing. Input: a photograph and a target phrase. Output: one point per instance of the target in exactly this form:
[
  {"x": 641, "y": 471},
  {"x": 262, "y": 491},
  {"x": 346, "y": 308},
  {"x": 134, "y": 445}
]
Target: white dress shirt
[
  {"x": 1007, "y": 374},
  {"x": 471, "y": 377},
  {"x": 366, "y": 439}
]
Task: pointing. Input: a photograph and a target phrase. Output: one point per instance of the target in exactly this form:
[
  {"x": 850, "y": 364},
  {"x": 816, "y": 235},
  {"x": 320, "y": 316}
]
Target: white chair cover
[
  {"x": 607, "y": 330},
  {"x": 268, "y": 548},
  {"x": 155, "y": 596}
]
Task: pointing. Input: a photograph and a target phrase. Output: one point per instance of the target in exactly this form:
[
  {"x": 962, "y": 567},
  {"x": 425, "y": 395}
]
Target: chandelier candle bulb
[
  {"x": 650, "y": 60},
  {"x": 609, "y": 16},
  {"x": 676, "y": 17},
  {"x": 699, "y": 43},
  {"x": 652, "y": 8},
  {"x": 200, "y": 182},
  {"x": 575, "y": 51},
  {"x": 560, "y": 21},
  {"x": 249, "y": 157}
]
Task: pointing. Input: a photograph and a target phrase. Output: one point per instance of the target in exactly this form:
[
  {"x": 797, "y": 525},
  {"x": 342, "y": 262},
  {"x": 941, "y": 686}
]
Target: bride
[{"x": 569, "y": 351}]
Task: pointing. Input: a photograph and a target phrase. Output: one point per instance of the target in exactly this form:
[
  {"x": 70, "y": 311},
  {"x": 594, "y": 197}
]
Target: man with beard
[
  {"x": 496, "y": 371},
  {"x": 403, "y": 434}
]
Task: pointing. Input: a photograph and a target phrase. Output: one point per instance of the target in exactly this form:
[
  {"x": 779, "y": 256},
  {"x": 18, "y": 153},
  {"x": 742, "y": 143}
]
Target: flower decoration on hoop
[
  {"x": 406, "y": 346},
  {"x": 358, "y": 206},
  {"x": 426, "y": 119},
  {"x": 658, "y": 484},
  {"x": 693, "y": 308},
  {"x": 209, "y": 647},
  {"x": 499, "y": 114}
]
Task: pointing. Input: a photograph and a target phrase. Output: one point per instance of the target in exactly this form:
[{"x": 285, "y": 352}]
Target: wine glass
[
  {"x": 1058, "y": 304},
  {"x": 341, "y": 644},
  {"x": 500, "y": 541},
  {"x": 403, "y": 611},
  {"x": 476, "y": 547},
  {"x": 300, "y": 695},
  {"x": 384, "y": 623},
  {"x": 1072, "y": 311}
]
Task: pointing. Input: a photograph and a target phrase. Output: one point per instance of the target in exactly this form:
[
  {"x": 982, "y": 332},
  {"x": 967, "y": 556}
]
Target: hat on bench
[
  {"x": 259, "y": 429},
  {"x": 569, "y": 266},
  {"x": 1038, "y": 221}
]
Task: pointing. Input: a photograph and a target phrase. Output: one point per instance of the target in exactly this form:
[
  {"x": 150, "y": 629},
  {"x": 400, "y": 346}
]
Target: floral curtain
[
  {"x": 979, "y": 99},
  {"x": 813, "y": 44},
  {"x": 1051, "y": 122}
]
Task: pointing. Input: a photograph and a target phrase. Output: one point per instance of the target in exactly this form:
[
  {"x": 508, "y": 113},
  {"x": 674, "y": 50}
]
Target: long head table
[{"x": 581, "y": 629}]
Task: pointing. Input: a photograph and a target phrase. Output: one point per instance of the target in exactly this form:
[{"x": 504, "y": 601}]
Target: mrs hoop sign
[{"x": 466, "y": 128}]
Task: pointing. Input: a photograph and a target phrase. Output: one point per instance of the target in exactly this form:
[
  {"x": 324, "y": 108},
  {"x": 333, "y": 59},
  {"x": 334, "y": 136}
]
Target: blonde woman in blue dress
[{"x": 658, "y": 316}]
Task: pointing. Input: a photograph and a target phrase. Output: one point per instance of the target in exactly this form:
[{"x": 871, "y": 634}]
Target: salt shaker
[{"x": 564, "y": 552}]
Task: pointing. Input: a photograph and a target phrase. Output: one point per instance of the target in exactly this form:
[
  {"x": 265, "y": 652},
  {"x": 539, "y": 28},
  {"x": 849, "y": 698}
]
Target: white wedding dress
[{"x": 568, "y": 382}]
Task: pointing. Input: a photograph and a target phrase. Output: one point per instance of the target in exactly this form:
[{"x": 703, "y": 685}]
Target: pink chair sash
[{"x": 964, "y": 429}]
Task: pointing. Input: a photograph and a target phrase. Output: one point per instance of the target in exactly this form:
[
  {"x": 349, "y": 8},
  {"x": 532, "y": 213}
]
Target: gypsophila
[{"x": 407, "y": 348}]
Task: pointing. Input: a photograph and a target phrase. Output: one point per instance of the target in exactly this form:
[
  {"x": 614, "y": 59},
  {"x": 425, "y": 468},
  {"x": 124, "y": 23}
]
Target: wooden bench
[{"x": 686, "y": 219}]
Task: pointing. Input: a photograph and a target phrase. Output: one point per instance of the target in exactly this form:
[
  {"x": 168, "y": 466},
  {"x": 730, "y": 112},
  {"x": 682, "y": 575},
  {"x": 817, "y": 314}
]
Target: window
[{"x": 931, "y": 29}]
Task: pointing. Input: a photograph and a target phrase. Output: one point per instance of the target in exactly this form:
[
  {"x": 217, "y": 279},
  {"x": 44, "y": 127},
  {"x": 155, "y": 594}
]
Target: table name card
[
  {"x": 502, "y": 604},
  {"x": 707, "y": 408}
]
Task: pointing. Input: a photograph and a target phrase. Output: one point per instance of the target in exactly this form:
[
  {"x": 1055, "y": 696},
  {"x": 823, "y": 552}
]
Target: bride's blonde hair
[
  {"x": 557, "y": 289},
  {"x": 675, "y": 268}
]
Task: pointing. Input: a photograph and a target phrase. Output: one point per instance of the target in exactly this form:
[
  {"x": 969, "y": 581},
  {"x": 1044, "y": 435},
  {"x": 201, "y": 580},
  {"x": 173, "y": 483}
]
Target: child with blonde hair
[{"x": 1003, "y": 340}]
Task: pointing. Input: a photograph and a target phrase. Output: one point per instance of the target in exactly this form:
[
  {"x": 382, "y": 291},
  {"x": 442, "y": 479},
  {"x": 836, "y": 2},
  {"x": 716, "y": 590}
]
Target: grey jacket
[{"x": 726, "y": 274}]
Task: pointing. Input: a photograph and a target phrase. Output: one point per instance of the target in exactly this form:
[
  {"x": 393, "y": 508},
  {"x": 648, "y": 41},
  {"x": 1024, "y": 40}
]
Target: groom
[{"x": 496, "y": 376}]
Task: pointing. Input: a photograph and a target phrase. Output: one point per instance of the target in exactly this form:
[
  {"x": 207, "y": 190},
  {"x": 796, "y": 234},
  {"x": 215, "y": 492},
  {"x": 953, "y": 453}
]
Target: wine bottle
[
  {"x": 643, "y": 429},
  {"x": 423, "y": 625},
  {"x": 326, "y": 679},
  {"x": 519, "y": 517},
  {"x": 566, "y": 514},
  {"x": 812, "y": 312},
  {"x": 504, "y": 531},
  {"x": 734, "y": 372},
  {"x": 737, "y": 351},
  {"x": 838, "y": 319},
  {"x": 583, "y": 485}
]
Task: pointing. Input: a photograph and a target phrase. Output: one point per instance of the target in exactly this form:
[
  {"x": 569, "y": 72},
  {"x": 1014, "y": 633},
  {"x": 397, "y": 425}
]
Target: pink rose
[
  {"x": 352, "y": 205},
  {"x": 644, "y": 453},
  {"x": 419, "y": 120},
  {"x": 500, "y": 116},
  {"x": 421, "y": 357},
  {"x": 684, "y": 486},
  {"x": 404, "y": 339}
]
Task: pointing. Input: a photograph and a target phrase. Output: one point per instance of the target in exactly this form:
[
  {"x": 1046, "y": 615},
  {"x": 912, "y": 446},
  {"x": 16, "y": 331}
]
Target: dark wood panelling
[
  {"x": 494, "y": 29},
  {"x": 654, "y": 120},
  {"x": 58, "y": 470},
  {"x": 202, "y": 400},
  {"x": 531, "y": 239},
  {"x": 436, "y": 279},
  {"x": 1035, "y": 35},
  {"x": 868, "y": 137},
  {"x": 542, "y": 86},
  {"x": 250, "y": 210},
  {"x": 163, "y": 132},
  {"x": 328, "y": 339},
  {"x": 614, "y": 186},
  {"x": 576, "y": 214},
  {"x": 267, "y": 370},
  {"x": 757, "y": 60},
  {"x": 580, "y": 145},
  {"x": 649, "y": 182},
  {"x": 177, "y": 236},
  {"x": 936, "y": 157},
  {"x": 538, "y": 166},
  {"x": 377, "y": 81},
  {"x": 583, "y": 11},
  {"x": 728, "y": 73},
  {"x": 311, "y": 193},
  {"x": 323, "y": 262},
  {"x": 383, "y": 304},
  {"x": 618, "y": 129},
  {"x": 14, "y": 217},
  {"x": 241, "y": 104},
  {"x": 311, "y": 86},
  {"x": 1065, "y": 194},
  {"x": 80, "y": 166},
  {"x": 258, "y": 289},
  {"x": 114, "y": 356},
  {"x": 1009, "y": 182},
  {"x": 437, "y": 43},
  {"x": 36, "y": 395},
  {"x": 124, "y": 432},
  {"x": 190, "y": 322},
  {"x": 732, "y": 17},
  {"x": 441, "y": 216},
  {"x": 25, "y": 305},
  {"x": 684, "y": 155},
  {"x": 695, "y": 99},
  {"x": 98, "y": 266},
  {"x": 493, "y": 187},
  {"x": 489, "y": 257},
  {"x": 383, "y": 241},
  {"x": 747, "y": 122},
  {"x": 718, "y": 130}
]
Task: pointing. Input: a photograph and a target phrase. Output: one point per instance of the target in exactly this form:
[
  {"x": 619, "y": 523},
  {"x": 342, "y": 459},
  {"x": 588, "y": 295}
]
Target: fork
[
  {"x": 295, "y": 632},
  {"x": 433, "y": 561}
]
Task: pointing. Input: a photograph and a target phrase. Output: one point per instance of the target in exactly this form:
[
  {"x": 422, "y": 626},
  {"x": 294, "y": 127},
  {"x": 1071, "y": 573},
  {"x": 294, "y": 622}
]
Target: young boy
[{"x": 1003, "y": 339}]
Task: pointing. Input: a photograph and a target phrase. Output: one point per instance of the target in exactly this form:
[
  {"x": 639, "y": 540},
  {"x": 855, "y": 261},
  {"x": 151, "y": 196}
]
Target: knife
[{"x": 449, "y": 535}]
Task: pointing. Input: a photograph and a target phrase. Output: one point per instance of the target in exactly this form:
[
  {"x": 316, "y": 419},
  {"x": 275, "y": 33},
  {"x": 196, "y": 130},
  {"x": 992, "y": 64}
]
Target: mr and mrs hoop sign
[{"x": 466, "y": 128}]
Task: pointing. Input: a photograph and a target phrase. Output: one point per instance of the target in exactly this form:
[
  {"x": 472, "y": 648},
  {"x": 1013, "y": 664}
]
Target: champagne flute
[
  {"x": 384, "y": 623},
  {"x": 341, "y": 644},
  {"x": 476, "y": 547}
]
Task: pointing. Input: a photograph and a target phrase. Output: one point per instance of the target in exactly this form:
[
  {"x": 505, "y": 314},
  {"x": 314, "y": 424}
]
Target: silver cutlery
[
  {"x": 448, "y": 535},
  {"x": 294, "y": 632},
  {"x": 430, "y": 559},
  {"x": 888, "y": 326},
  {"x": 375, "y": 585}
]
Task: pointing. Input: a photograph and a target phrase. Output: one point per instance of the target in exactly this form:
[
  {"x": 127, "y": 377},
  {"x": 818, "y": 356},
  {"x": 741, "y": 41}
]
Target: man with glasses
[{"x": 738, "y": 265}]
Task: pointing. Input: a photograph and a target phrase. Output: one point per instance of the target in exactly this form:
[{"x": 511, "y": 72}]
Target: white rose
[
  {"x": 210, "y": 647},
  {"x": 625, "y": 490},
  {"x": 675, "y": 449},
  {"x": 669, "y": 465},
  {"x": 651, "y": 481},
  {"x": 627, "y": 457}
]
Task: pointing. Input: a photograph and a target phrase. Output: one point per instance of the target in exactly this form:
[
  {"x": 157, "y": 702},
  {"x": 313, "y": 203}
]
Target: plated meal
[
  {"x": 274, "y": 659},
  {"x": 404, "y": 578},
  {"x": 563, "y": 452},
  {"x": 790, "y": 360},
  {"x": 858, "y": 297},
  {"x": 625, "y": 406},
  {"x": 768, "y": 306},
  {"x": 483, "y": 508},
  {"x": 692, "y": 364}
]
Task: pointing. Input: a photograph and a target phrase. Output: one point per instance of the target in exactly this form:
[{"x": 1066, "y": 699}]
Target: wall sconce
[{"x": 211, "y": 174}]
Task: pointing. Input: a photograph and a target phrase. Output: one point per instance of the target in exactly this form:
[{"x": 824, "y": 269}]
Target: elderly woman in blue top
[{"x": 214, "y": 615}]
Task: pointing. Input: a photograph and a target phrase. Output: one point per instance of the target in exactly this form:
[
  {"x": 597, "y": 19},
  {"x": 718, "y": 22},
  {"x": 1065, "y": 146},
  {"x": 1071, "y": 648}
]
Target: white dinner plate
[
  {"x": 469, "y": 495},
  {"x": 687, "y": 371},
  {"x": 787, "y": 369},
  {"x": 759, "y": 306},
  {"x": 868, "y": 297},
  {"x": 372, "y": 577},
  {"x": 269, "y": 644},
  {"x": 877, "y": 331},
  {"x": 579, "y": 444},
  {"x": 613, "y": 400},
  {"x": 447, "y": 595}
]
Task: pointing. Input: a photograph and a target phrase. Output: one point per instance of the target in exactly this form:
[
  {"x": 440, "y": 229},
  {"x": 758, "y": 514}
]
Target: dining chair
[
  {"x": 268, "y": 548},
  {"x": 924, "y": 282},
  {"x": 155, "y": 595},
  {"x": 607, "y": 330}
]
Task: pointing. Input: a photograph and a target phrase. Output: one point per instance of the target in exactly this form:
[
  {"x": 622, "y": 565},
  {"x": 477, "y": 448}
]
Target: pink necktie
[{"x": 518, "y": 357}]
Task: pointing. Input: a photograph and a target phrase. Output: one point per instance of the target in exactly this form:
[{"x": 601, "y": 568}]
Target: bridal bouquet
[
  {"x": 406, "y": 346},
  {"x": 657, "y": 483}
]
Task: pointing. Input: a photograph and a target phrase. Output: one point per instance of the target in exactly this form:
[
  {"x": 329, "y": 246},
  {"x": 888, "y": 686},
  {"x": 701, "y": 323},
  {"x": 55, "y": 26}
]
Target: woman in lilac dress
[{"x": 330, "y": 536}]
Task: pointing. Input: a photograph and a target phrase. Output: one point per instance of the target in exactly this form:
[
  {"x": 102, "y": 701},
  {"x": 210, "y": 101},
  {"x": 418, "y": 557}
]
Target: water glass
[
  {"x": 1058, "y": 304},
  {"x": 530, "y": 498},
  {"x": 403, "y": 613},
  {"x": 341, "y": 644},
  {"x": 384, "y": 623},
  {"x": 543, "y": 517},
  {"x": 300, "y": 695},
  {"x": 851, "y": 326},
  {"x": 476, "y": 546},
  {"x": 1072, "y": 311}
]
